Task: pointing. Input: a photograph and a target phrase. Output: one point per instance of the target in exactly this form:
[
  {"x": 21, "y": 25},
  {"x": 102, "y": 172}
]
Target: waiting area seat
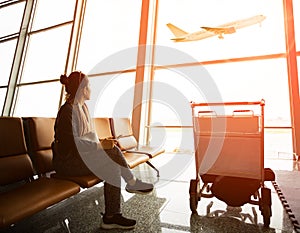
[
  {"x": 122, "y": 131},
  {"x": 104, "y": 131},
  {"x": 21, "y": 194},
  {"x": 39, "y": 132}
]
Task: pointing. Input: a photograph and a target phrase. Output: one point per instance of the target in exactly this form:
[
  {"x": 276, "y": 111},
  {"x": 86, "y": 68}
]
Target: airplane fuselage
[{"x": 228, "y": 28}]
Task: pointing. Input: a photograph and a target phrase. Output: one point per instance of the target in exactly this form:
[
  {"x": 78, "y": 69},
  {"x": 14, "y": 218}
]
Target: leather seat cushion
[{"x": 32, "y": 197}]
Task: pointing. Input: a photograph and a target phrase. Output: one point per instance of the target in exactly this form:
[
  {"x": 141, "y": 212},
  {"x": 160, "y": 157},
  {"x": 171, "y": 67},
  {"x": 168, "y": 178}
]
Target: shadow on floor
[
  {"x": 224, "y": 224},
  {"x": 82, "y": 213}
]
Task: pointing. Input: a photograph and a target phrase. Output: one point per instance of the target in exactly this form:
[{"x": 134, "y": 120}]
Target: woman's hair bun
[{"x": 64, "y": 79}]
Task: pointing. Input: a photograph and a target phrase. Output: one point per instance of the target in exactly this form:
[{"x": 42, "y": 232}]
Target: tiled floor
[{"x": 166, "y": 209}]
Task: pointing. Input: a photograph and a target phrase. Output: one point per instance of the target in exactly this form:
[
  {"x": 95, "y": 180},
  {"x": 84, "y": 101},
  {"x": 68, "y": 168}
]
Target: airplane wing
[
  {"x": 218, "y": 30},
  {"x": 183, "y": 36}
]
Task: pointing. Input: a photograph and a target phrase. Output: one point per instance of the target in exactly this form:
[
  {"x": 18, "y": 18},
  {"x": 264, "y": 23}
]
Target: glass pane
[
  {"x": 2, "y": 97},
  {"x": 252, "y": 81},
  {"x": 278, "y": 143},
  {"x": 296, "y": 7},
  {"x": 179, "y": 140},
  {"x": 7, "y": 50},
  {"x": 47, "y": 54},
  {"x": 52, "y": 12},
  {"x": 12, "y": 14},
  {"x": 108, "y": 28},
  {"x": 38, "y": 100},
  {"x": 243, "y": 81},
  {"x": 112, "y": 95},
  {"x": 262, "y": 38},
  {"x": 298, "y": 66}
]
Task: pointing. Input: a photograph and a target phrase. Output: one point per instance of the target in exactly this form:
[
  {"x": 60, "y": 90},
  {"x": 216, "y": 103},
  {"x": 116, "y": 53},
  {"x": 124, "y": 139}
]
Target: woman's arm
[{"x": 68, "y": 128}]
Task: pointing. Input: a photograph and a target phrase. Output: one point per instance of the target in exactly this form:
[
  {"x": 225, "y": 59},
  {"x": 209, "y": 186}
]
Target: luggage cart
[{"x": 229, "y": 156}]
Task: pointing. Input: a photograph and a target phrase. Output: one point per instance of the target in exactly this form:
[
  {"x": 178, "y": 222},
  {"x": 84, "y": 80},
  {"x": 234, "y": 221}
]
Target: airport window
[
  {"x": 112, "y": 95},
  {"x": 250, "y": 40},
  {"x": 296, "y": 7},
  {"x": 248, "y": 81},
  {"x": 2, "y": 96},
  {"x": 255, "y": 80},
  {"x": 244, "y": 81},
  {"x": 109, "y": 27},
  {"x": 298, "y": 66},
  {"x": 44, "y": 58},
  {"x": 273, "y": 149},
  {"x": 244, "y": 65},
  {"x": 253, "y": 56},
  {"x": 297, "y": 34},
  {"x": 49, "y": 50},
  {"x": 52, "y": 12},
  {"x": 7, "y": 48},
  {"x": 8, "y": 34},
  {"x": 38, "y": 100},
  {"x": 12, "y": 14}
]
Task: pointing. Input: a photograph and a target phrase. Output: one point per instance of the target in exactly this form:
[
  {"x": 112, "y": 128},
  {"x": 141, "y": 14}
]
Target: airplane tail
[{"x": 176, "y": 31}]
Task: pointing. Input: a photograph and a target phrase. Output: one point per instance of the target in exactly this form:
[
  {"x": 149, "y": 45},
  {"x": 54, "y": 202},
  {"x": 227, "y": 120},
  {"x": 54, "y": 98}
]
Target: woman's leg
[
  {"x": 117, "y": 156},
  {"x": 112, "y": 196},
  {"x": 113, "y": 217},
  {"x": 133, "y": 185}
]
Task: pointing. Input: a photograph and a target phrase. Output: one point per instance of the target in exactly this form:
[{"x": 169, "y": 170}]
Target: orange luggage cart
[{"x": 229, "y": 155}]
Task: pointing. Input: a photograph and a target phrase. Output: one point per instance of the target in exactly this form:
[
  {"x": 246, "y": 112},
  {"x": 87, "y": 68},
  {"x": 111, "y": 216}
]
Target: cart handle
[
  {"x": 261, "y": 103},
  {"x": 243, "y": 111},
  {"x": 207, "y": 112}
]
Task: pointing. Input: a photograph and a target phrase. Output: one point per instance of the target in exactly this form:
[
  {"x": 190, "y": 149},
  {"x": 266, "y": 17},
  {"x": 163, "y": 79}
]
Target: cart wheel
[
  {"x": 266, "y": 206},
  {"x": 194, "y": 195}
]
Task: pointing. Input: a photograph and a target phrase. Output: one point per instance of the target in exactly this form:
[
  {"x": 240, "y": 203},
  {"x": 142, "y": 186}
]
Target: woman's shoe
[
  {"x": 139, "y": 187},
  {"x": 117, "y": 221}
]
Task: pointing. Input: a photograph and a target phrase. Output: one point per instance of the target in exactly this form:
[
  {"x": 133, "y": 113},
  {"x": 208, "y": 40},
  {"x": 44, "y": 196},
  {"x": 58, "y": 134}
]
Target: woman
[{"x": 78, "y": 152}]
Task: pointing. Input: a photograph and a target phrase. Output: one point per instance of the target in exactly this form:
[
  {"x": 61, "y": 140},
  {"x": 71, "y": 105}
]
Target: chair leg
[{"x": 151, "y": 165}]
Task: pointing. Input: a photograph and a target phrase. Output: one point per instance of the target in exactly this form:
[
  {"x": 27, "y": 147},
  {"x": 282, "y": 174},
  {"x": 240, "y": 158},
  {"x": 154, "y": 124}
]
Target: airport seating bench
[
  {"x": 39, "y": 133},
  {"x": 22, "y": 195},
  {"x": 28, "y": 183}
]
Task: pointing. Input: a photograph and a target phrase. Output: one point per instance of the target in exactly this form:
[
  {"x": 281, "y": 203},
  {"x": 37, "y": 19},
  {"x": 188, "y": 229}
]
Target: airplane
[{"x": 228, "y": 28}]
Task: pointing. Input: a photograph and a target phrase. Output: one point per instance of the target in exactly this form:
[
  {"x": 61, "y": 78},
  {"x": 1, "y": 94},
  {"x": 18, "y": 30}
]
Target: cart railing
[{"x": 229, "y": 145}]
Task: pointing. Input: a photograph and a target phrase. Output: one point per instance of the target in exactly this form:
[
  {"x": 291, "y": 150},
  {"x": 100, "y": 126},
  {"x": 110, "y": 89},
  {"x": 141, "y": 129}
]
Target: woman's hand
[{"x": 107, "y": 143}]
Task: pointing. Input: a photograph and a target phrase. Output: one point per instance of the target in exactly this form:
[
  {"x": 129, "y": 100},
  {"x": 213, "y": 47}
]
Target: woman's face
[{"x": 87, "y": 91}]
